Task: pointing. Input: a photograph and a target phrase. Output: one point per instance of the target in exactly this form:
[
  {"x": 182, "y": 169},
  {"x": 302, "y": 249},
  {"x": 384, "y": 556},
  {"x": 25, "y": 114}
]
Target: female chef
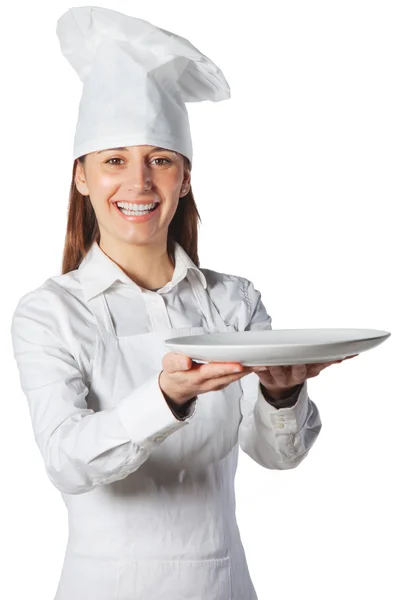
[{"x": 143, "y": 443}]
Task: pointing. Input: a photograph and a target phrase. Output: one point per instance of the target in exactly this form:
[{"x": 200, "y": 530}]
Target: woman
[{"x": 143, "y": 443}]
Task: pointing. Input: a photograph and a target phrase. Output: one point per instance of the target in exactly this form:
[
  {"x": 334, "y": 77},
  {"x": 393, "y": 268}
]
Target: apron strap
[
  {"x": 99, "y": 307},
  {"x": 207, "y": 306}
]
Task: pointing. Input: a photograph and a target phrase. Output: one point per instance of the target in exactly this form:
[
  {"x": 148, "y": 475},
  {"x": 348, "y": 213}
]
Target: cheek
[
  {"x": 102, "y": 191},
  {"x": 105, "y": 185},
  {"x": 168, "y": 182}
]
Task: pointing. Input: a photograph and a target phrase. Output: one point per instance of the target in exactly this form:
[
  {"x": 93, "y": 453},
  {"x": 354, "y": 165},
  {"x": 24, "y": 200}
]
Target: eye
[
  {"x": 110, "y": 159},
  {"x": 154, "y": 159},
  {"x": 166, "y": 159}
]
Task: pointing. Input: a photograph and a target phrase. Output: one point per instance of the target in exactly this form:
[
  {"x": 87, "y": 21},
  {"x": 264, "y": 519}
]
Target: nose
[{"x": 139, "y": 179}]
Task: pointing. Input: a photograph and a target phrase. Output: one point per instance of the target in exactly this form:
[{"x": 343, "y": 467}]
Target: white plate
[{"x": 277, "y": 346}]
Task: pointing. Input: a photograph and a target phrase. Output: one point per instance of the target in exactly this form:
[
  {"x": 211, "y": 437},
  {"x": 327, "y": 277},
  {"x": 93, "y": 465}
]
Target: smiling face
[{"x": 134, "y": 174}]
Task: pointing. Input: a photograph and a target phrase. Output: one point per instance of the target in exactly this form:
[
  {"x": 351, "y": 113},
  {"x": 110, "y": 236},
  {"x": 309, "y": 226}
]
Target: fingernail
[{"x": 183, "y": 363}]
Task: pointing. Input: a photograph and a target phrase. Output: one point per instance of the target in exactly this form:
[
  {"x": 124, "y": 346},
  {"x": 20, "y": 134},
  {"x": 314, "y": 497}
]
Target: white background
[{"x": 297, "y": 181}]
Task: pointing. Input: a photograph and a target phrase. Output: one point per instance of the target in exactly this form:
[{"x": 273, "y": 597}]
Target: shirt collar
[{"x": 97, "y": 271}]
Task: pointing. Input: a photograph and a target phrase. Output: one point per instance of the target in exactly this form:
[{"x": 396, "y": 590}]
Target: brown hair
[{"x": 83, "y": 228}]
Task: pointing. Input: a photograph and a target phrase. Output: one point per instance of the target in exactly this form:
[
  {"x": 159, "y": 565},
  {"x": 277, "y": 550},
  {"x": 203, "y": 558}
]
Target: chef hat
[{"x": 136, "y": 79}]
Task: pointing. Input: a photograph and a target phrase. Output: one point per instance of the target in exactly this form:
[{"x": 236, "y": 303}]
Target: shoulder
[
  {"x": 57, "y": 295},
  {"x": 236, "y": 296},
  {"x": 53, "y": 312},
  {"x": 217, "y": 279}
]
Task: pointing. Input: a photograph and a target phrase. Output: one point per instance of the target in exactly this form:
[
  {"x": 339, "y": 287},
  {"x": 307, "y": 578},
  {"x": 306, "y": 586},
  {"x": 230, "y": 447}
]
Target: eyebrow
[{"x": 156, "y": 149}]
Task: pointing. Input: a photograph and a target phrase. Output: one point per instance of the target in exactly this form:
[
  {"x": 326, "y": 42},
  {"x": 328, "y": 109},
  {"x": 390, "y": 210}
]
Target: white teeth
[{"x": 136, "y": 207}]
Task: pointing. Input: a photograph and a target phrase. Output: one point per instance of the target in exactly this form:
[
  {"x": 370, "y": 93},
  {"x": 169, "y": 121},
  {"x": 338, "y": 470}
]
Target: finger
[
  {"x": 218, "y": 383},
  {"x": 260, "y": 369},
  {"x": 315, "y": 369},
  {"x": 352, "y": 356},
  {"x": 218, "y": 369},
  {"x": 281, "y": 375},
  {"x": 299, "y": 373},
  {"x": 321, "y": 365},
  {"x": 266, "y": 377},
  {"x": 215, "y": 370},
  {"x": 172, "y": 362}
]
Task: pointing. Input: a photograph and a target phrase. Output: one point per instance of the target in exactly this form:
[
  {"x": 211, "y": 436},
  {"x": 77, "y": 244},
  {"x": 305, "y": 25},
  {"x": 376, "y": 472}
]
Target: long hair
[{"x": 83, "y": 228}]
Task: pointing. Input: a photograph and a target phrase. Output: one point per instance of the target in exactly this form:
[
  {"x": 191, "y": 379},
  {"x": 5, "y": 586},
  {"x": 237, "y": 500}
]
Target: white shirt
[
  {"x": 53, "y": 337},
  {"x": 141, "y": 491}
]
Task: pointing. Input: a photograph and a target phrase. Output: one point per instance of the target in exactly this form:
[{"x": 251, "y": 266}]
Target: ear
[
  {"x": 80, "y": 180},
  {"x": 186, "y": 181}
]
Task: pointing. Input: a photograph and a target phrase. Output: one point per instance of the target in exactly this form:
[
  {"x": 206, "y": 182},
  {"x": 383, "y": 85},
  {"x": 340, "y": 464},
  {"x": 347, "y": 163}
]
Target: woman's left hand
[{"x": 279, "y": 381}]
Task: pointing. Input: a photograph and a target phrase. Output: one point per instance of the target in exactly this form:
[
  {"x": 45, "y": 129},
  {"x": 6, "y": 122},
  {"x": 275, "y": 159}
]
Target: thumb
[{"x": 183, "y": 363}]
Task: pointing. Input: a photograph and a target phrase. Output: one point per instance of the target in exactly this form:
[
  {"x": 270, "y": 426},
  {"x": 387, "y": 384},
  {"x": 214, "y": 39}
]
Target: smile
[{"x": 136, "y": 215}]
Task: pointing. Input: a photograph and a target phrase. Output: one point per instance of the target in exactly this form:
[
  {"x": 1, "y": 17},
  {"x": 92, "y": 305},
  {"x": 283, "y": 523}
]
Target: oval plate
[{"x": 277, "y": 346}]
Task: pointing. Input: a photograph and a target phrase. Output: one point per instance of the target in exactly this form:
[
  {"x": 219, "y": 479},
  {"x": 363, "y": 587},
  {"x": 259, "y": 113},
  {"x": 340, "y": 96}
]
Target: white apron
[{"x": 168, "y": 530}]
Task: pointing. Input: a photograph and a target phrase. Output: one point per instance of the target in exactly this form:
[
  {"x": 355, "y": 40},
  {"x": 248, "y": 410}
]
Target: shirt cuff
[
  {"x": 287, "y": 402},
  {"x": 184, "y": 411},
  {"x": 294, "y": 417},
  {"x": 146, "y": 415}
]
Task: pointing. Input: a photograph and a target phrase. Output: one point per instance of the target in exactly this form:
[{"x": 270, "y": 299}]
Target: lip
[
  {"x": 137, "y": 219},
  {"x": 140, "y": 202}
]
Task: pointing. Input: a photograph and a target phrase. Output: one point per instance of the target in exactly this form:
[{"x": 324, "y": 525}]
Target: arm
[
  {"x": 82, "y": 449},
  {"x": 276, "y": 434}
]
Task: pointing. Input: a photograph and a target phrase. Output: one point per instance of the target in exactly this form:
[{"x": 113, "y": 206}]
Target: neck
[{"x": 148, "y": 265}]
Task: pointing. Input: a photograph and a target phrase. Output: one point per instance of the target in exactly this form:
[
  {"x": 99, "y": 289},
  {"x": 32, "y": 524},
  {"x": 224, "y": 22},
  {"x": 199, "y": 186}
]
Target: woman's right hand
[{"x": 182, "y": 378}]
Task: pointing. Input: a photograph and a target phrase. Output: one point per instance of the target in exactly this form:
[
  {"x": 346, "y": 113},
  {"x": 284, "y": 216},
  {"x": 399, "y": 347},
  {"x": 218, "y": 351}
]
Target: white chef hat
[{"x": 136, "y": 79}]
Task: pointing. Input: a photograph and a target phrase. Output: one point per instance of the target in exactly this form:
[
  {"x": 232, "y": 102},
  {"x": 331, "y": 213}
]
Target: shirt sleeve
[
  {"x": 286, "y": 402},
  {"x": 182, "y": 411},
  {"x": 276, "y": 438},
  {"x": 81, "y": 448}
]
